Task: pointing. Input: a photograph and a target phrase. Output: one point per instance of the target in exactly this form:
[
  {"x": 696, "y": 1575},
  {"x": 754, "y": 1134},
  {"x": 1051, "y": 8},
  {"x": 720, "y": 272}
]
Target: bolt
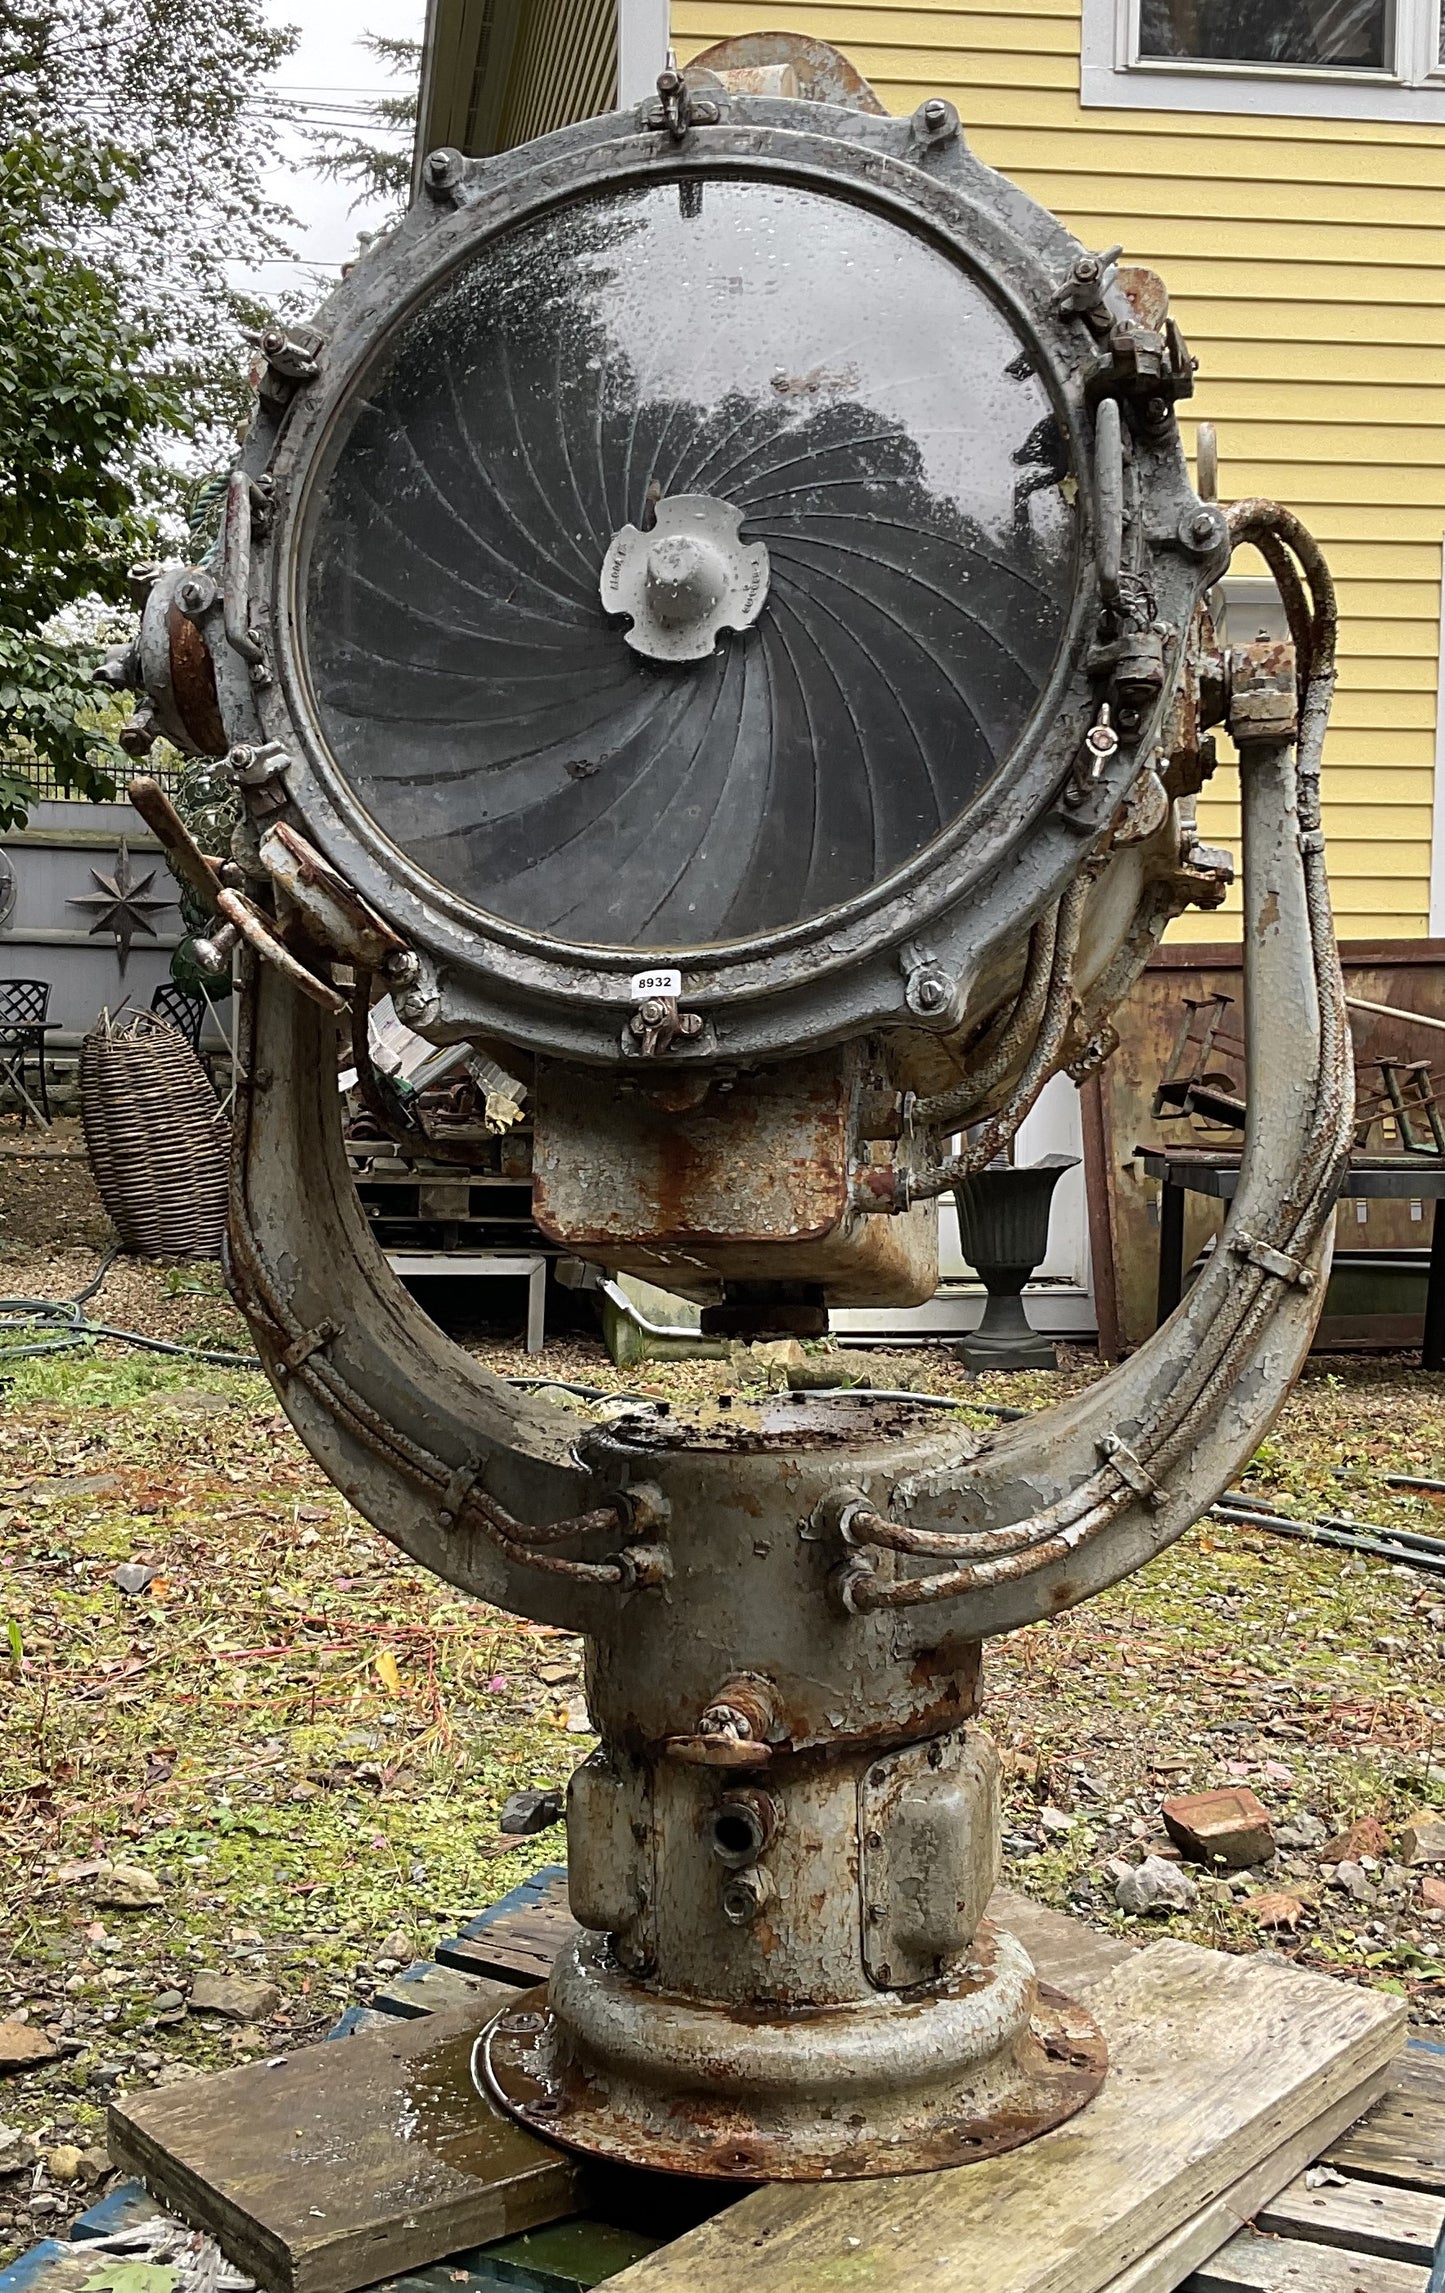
[
  {"x": 874, "y": 1841},
  {"x": 932, "y": 994},
  {"x": 1086, "y": 270},
  {"x": 191, "y": 596},
  {"x": 935, "y": 114},
  {"x": 1201, "y": 527}
]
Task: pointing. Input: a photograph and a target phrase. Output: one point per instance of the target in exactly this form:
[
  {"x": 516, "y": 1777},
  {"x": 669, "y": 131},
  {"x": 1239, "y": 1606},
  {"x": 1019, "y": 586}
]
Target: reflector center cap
[{"x": 690, "y": 577}]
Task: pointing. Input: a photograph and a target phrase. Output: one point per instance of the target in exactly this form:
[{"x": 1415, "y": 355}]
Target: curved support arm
[
  {"x": 447, "y": 1461},
  {"x": 1059, "y": 1508}
]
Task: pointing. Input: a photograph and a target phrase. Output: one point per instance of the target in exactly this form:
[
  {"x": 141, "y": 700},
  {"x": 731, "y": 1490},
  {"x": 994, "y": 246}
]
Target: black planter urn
[{"x": 1003, "y": 1226}]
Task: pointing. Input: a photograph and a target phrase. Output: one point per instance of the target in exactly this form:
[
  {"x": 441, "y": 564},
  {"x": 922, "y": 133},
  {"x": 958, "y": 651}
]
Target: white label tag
[{"x": 646, "y": 983}]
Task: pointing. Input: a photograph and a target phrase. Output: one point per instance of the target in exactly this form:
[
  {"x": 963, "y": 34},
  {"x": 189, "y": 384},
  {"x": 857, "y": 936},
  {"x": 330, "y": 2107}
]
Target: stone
[
  {"x": 1229, "y": 1827},
  {"x": 94, "y": 2166},
  {"x": 63, "y": 2162},
  {"x": 1432, "y": 1894},
  {"x": 168, "y": 2001},
  {"x": 22, "y": 2046},
  {"x": 233, "y": 1996},
  {"x": 1367, "y": 1838},
  {"x": 1353, "y": 1880},
  {"x": 133, "y": 1576},
  {"x": 1055, "y": 1820},
  {"x": 1423, "y": 1838},
  {"x": 43, "y": 2205},
  {"x": 1154, "y": 1885},
  {"x": 1302, "y": 1832},
  {"x": 396, "y": 1951},
  {"x": 126, "y": 1887},
  {"x": 17, "y": 2150},
  {"x": 527, "y": 1812}
]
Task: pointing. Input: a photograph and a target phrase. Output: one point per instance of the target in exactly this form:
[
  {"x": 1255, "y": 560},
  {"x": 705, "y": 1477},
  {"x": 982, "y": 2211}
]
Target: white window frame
[{"x": 1112, "y": 74}]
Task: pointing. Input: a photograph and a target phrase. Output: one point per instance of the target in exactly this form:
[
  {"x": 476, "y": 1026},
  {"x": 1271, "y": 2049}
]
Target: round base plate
[{"x": 1060, "y": 2063}]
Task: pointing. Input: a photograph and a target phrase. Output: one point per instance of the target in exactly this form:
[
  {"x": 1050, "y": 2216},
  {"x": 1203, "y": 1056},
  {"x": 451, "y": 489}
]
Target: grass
[{"x": 307, "y": 1740}]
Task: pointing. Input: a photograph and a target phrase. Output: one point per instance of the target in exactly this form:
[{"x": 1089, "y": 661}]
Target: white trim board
[
  {"x": 1437, "y": 809},
  {"x": 643, "y": 36}
]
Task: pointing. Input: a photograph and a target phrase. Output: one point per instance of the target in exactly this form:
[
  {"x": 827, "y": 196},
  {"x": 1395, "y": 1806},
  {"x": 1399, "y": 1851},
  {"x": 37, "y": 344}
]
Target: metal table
[
  {"x": 1405, "y": 1177},
  {"x": 451, "y": 1263}
]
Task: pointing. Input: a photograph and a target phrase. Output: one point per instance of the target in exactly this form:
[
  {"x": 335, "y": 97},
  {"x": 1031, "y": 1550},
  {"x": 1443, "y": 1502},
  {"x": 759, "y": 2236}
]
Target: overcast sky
[{"x": 329, "y": 77}]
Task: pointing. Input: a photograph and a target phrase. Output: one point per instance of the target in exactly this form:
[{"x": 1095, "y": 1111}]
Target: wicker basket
[{"x": 157, "y": 1142}]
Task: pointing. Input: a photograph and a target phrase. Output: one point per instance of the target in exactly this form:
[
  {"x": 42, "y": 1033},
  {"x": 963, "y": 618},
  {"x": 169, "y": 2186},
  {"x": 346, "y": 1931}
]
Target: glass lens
[
  {"x": 872, "y": 412},
  {"x": 1349, "y": 35}
]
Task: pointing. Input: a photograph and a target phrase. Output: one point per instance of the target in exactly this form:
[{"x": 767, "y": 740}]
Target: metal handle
[
  {"x": 1109, "y": 498},
  {"x": 236, "y": 572}
]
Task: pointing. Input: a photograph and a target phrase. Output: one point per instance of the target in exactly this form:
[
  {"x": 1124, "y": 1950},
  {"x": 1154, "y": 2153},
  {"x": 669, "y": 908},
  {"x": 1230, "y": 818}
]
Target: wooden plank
[
  {"x": 1254, "y": 2264},
  {"x": 518, "y": 1939},
  {"x": 1403, "y": 2139},
  {"x": 1065, "y": 1952},
  {"x": 1215, "y": 2063},
  {"x": 427, "y": 1988},
  {"x": 1366, "y": 2217},
  {"x": 1199, "y": 2239},
  {"x": 326, "y": 2169}
]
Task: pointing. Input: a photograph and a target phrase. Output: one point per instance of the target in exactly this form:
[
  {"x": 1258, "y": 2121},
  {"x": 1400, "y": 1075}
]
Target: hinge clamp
[
  {"x": 1134, "y": 1476},
  {"x": 1272, "y": 1261},
  {"x": 302, "y": 1348}
]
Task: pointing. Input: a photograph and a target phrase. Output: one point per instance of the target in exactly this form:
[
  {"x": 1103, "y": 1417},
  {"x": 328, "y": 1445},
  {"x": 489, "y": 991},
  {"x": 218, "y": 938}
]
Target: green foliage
[
  {"x": 131, "y": 187},
  {"x": 77, "y": 403},
  {"x": 378, "y": 164}
]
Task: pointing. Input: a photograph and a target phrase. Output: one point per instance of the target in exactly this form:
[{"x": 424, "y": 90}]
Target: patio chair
[{"x": 24, "y": 1025}]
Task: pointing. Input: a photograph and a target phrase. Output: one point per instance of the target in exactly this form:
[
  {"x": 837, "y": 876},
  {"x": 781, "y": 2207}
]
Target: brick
[{"x": 1213, "y": 1827}]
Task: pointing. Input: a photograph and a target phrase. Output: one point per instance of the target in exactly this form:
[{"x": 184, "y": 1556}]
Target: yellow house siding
[{"x": 1306, "y": 262}]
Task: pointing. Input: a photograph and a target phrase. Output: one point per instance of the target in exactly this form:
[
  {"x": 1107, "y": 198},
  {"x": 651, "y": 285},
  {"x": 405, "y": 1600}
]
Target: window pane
[{"x": 1349, "y": 35}]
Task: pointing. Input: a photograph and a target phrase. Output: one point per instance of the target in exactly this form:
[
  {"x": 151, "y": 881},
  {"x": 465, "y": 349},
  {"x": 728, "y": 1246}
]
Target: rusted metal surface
[
  {"x": 780, "y": 1850},
  {"x": 332, "y": 912},
  {"x": 903, "y": 2086},
  {"x": 193, "y": 684},
  {"x": 784, "y": 64},
  {"x": 748, "y": 1179}
]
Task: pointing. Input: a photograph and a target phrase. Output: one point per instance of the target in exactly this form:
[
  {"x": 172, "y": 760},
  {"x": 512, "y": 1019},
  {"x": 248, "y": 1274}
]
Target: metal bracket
[
  {"x": 1277, "y": 1262},
  {"x": 301, "y": 1349},
  {"x": 457, "y": 1491},
  {"x": 657, "y": 1024},
  {"x": 1134, "y": 1476}
]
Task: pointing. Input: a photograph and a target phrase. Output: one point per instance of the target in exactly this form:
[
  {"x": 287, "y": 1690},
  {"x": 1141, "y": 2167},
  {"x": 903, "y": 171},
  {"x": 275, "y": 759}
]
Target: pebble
[
  {"x": 133, "y": 1576},
  {"x": 43, "y": 2205},
  {"x": 168, "y": 2001},
  {"x": 63, "y": 2162},
  {"x": 1352, "y": 1880},
  {"x": 1423, "y": 1838},
  {"x": 527, "y": 1812},
  {"x": 1302, "y": 1831},
  {"x": 1055, "y": 1820},
  {"x": 1153, "y": 1885},
  {"x": 395, "y": 1952},
  {"x": 22, "y": 2046},
  {"x": 17, "y": 2150},
  {"x": 234, "y": 1997},
  {"x": 126, "y": 1887}
]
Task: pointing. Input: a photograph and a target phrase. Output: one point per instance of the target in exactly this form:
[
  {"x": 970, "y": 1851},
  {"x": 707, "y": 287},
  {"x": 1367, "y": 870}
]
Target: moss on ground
[{"x": 307, "y": 1740}]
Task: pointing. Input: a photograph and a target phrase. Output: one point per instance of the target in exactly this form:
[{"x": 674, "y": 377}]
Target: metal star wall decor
[{"x": 122, "y": 905}]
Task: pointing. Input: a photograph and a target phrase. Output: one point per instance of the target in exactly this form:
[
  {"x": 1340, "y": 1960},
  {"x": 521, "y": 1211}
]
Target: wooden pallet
[{"x": 1372, "y": 2223}]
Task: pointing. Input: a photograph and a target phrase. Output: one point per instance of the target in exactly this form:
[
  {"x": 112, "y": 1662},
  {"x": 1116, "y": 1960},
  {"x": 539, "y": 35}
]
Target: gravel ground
[{"x": 303, "y": 1743}]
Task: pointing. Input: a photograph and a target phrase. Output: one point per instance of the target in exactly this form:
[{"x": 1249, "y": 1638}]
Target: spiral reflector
[{"x": 873, "y": 413}]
